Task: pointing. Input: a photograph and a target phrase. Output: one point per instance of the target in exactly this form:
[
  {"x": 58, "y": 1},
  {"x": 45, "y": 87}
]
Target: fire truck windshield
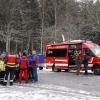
[
  {"x": 56, "y": 53},
  {"x": 96, "y": 51}
]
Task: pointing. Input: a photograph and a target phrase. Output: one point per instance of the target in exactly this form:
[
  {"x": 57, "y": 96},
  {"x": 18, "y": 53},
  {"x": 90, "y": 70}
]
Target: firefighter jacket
[{"x": 11, "y": 60}]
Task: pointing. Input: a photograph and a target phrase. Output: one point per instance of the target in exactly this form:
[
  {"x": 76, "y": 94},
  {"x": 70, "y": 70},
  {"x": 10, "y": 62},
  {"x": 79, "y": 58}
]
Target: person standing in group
[
  {"x": 10, "y": 61},
  {"x": 2, "y": 68},
  {"x": 23, "y": 64},
  {"x": 35, "y": 60},
  {"x": 78, "y": 61},
  {"x": 17, "y": 67},
  {"x": 85, "y": 62},
  {"x": 30, "y": 66}
]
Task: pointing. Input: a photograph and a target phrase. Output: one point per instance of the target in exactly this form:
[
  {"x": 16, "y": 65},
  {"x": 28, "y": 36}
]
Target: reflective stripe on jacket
[
  {"x": 11, "y": 61},
  {"x": 2, "y": 66}
]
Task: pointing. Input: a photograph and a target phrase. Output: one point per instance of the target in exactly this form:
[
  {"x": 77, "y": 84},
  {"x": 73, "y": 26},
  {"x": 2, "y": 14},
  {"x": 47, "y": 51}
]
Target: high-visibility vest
[{"x": 2, "y": 66}]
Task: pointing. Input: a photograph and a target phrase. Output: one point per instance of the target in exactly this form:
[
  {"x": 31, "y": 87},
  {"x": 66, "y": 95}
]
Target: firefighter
[
  {"x": 30, "y": 66},
  {"x": 85, "y": 62},
  {"x": 1, "y": 64},
  {"x": 2, "y": 68},
  {"x": 11, "y": 61},
  {"x": 17, "y": 69},
  {"x": 35, "y": 60},
  {"x": 78, "y": 61},
  {"x": 23, "y": 63}
]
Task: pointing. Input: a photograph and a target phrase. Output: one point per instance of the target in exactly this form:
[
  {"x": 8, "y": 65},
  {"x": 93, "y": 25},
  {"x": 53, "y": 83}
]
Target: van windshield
[
  {"x": 96, "y": 51},
  {"x": 56, "y": 53}
]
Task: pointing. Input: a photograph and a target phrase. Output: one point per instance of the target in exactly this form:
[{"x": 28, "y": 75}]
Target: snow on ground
[{"x": 36, "y": 91}]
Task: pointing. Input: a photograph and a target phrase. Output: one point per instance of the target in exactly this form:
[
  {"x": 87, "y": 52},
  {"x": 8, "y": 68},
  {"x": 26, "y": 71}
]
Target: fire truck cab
[{"x": 61, "y": 55}]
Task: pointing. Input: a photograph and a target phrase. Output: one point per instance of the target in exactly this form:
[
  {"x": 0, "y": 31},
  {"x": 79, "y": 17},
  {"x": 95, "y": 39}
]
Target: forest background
[{"x": 32, "y": 24}]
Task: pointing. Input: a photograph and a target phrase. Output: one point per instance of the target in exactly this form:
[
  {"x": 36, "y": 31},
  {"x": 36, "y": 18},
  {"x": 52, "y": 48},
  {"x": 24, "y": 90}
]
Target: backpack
[{"x": 23, "y": 62}]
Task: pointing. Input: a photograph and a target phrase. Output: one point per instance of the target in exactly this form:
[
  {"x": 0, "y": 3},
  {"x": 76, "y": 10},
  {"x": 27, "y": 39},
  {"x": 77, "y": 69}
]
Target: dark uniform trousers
[{"x": 10, "y": 70}]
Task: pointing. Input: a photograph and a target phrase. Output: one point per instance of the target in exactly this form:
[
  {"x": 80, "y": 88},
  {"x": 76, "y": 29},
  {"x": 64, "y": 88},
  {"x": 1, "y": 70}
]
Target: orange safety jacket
[{"x": 11, "y": 60}]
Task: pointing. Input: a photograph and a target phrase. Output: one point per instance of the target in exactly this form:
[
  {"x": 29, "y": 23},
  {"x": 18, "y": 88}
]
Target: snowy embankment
[{"x": 43, "y": 92}]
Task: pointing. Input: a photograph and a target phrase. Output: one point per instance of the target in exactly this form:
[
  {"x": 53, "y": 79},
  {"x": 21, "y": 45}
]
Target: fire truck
[{"x": 60, "y": 56}]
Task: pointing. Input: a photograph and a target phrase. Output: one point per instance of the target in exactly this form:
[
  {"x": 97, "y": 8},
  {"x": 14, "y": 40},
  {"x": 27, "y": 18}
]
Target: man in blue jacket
[
  {"x": 85, "y": 61},
  {"x": 35, "y": 60}
]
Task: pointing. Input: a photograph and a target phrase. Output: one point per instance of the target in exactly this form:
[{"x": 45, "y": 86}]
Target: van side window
[
  {"x": 56, "y": 53},
  {"x": 89, "y": 52}
]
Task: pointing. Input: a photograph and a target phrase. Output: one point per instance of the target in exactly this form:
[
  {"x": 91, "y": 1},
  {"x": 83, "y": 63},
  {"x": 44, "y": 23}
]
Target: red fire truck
[{"x": 60, "y": 55}]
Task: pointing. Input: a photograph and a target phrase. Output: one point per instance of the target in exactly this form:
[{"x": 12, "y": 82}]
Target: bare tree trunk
[
  {"x": 8, "y": 38},
  {"x": 28, "y": 43},
  {"x": 55, "y": 20},
  {"x": 32, "y": 46},
  {"x": 7, "y": 43},
  {"x": 16, "y": 45},
  {"x": 42, "y": 26}
]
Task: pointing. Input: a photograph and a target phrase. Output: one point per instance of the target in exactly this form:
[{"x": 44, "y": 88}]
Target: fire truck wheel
[
  {"x": 66, "y": 70},
  {"x": 56, "y": 69},
  {"x": 96, "y": 70},
  {"x": 53, "y": 66}
]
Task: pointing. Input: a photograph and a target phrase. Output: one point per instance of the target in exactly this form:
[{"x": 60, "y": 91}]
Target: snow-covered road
[
  {"x": 68, "y": 86},
  {"x": 44, "y": 92}
]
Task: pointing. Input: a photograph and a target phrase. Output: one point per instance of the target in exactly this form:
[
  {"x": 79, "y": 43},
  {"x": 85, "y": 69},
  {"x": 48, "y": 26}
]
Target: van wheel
[
  {"x": 66, "y": 70},
  {"x": 56, "y": 70},
  {"x": 96, "y": 70},
  {"x": 53, "y": 67}
]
